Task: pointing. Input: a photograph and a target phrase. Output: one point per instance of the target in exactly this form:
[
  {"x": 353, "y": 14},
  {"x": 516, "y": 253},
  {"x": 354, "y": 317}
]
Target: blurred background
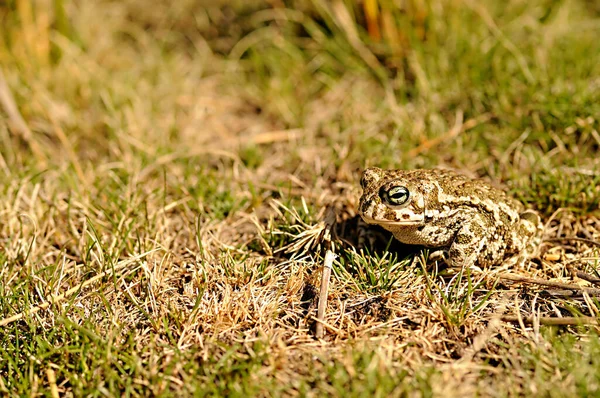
[{"x": 308, "y": 88}]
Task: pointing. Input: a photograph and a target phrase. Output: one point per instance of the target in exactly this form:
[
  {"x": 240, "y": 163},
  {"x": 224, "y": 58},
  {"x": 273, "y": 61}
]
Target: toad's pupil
[{"x": 397, "y": 195}]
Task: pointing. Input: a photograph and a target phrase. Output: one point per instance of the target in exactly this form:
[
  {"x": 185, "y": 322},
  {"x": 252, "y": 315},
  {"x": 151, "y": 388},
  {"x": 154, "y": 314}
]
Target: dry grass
[{"x": 161, "y": 202}]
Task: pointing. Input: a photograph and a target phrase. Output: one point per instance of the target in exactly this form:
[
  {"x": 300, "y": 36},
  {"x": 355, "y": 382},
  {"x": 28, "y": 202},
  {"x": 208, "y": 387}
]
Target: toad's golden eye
[{"x": 395, "y": 196}]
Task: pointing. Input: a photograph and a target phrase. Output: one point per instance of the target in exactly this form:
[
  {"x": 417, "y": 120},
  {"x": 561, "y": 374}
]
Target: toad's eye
[{"x": 395, "y": 196}]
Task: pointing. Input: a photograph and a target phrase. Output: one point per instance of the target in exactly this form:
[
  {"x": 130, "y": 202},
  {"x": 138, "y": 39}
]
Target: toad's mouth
[{"x": 410, "y": 220}]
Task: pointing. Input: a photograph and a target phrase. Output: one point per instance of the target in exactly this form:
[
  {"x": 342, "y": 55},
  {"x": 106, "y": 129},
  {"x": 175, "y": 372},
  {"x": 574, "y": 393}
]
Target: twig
[
  {"x": 18, "y": 124},
  {"x": 561, "y": 293},
  {"x": 458, "y": 128},
  {"x": 326, "y": 275},
  {"x": 552, "y": 321},
  {"x": 574, "y": 239},
  {"x": 275, "y": 136},
  {"x": 51, "y": 376},
  {"x": 327, "y": 325},
  {"x": 329, "y": 257},
  {"x": 587, "y": 277},
  {"x": 543, "y": 282}
]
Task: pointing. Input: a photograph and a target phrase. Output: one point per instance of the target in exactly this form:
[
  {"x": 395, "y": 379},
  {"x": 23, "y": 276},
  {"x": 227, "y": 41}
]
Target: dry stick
[
  {"x": 553, "y": 321},
  {"x": 329, "y": 222},
  {"x": 327, "y": 325},
  {"x": 543, "y": 282},
  {"x": 60, "y": 297},
  {"x": 52, "y": 382},
  {"x": 328, "y": 264},
  {"x": 275, "y": 136},
  {"x": 574, "y": 239},
  {"x": 7, "y": 102},
  {"x": 452, "y": 133},
  {"x": 587, "y": 277},
  {"x": 562, "y": 293}
]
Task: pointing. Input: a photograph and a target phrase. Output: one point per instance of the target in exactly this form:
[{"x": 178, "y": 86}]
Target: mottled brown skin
[{"x": 476, "y": 223}]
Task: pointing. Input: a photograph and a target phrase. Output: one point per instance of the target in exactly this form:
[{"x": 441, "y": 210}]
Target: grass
[{"x": 163, "y": 173}]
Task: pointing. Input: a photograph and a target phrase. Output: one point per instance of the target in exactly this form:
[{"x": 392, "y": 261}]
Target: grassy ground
[{"x": 163, "y": 168}]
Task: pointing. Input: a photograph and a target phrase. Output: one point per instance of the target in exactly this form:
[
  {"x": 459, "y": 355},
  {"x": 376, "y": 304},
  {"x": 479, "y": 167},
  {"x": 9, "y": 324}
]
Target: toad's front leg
[{"x": 471, "y": 245}]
